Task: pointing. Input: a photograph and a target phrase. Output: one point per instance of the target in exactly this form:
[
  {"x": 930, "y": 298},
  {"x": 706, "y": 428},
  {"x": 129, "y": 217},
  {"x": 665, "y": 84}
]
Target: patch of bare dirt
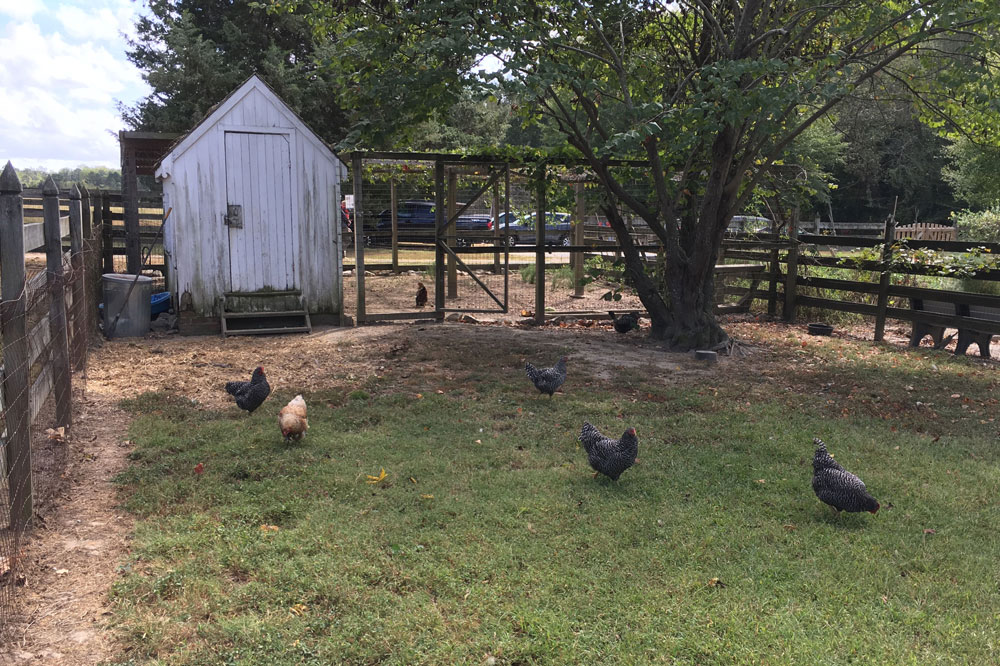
[{"x": 79, "y": 536}]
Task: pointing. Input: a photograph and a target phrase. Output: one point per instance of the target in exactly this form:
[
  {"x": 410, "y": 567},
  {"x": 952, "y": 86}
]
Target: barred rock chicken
[
  {"x": 609, "y": 456},
  {"x": 292, "y": 419},
  {"x": 626, "y": 322},
  {"x": 421, "y": 295},
  {"x": 250, "y": 395},
  {"x": 836, "y": 486},
  {"x": 547, "y": 380}
]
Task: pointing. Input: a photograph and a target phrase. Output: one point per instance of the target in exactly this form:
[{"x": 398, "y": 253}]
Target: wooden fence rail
[
  {"x": 880, "y": 290},
  {"x": 47, "y": 321}
]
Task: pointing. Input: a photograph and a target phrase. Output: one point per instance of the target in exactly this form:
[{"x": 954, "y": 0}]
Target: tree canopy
[
  {"x": 195, "y": 52},
  {"x": 713, "y": 93}
]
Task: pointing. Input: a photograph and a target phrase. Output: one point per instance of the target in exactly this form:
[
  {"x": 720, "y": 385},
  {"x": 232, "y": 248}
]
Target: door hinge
[{"x": 234, "y": 216}]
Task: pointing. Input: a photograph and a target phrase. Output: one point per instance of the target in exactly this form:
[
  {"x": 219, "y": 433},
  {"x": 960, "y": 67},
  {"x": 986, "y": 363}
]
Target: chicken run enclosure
[{"x": 477, "y": 220}]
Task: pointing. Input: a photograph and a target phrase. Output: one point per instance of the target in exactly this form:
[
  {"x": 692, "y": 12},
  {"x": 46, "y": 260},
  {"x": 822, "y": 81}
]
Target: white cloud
[
  {"x": 58, "y": 87},
  {"x": 20, "y": 10}
]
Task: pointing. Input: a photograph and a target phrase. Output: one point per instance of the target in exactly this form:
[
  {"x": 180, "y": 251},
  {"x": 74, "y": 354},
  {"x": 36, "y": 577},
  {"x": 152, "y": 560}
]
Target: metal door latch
[{"x": 234, "y": 216}]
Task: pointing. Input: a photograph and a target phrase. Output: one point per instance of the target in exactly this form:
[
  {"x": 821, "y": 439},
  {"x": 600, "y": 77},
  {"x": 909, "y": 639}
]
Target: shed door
[{"x": 264, "y": 251}]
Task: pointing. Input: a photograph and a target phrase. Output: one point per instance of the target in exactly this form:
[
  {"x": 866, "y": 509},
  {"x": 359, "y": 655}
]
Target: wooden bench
[{"x": 966, "y": 335}]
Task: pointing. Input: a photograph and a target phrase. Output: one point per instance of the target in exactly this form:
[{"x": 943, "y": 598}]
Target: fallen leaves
[
  {"x": 199, "y": 469},
  {"x": 56, "y": 434},
  {"x": 715, "y": 582},
  {"x": 377, "y": 479},
  {"x": 269, "y": 528}
]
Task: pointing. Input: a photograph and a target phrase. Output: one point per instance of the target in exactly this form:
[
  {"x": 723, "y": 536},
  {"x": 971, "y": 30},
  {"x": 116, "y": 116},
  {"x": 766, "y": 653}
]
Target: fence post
[
  {"x": 85, "y": 211},
  {"x": 885, "y": 278},
  {"x": 775, "y": 273},
  {"x": 130, "y": 212},
  {"x": 394, "y": 212},
  {"x": 576, "y": 258},
  {"x": 107, "y": 241},
  {"x": 495, "y": 214},
  {"x": 78, "y": 346},
  {"x": 439, "y": 228},
  {"x": 95, "y": 258},
  {"x": 452, "y": 233},
  {"x": 359, "y": 234},
  {"x": 58, "y": 349},
  {"x": 791, "y": 275},
  {"x": 540, "y": 251},
  {"x": 15, "y": 349}
]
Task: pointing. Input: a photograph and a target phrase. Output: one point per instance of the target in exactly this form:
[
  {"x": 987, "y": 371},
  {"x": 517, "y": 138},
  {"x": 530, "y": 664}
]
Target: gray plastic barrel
[{"x": 134, "y": 319}]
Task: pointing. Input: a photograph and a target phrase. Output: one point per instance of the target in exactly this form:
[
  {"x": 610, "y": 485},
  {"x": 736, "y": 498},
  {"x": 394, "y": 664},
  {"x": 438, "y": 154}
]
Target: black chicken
[
  {"x": 421, "y": 295},
  {"x": 836, "y": 486},
  {"x": 547, "y": 380},
  {"x": 609, "y": 456},
  {"x": 626, "y": 322},
  {"x": 250, "y": 395}
]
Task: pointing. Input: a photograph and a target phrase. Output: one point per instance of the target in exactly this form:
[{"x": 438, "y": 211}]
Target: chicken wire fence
[
  {"x": 489, "y": 256},
  {"x": 48, "y": 317}
]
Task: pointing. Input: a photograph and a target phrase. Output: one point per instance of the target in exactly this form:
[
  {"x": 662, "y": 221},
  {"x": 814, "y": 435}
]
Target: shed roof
[{"x": 230, "y": 101}]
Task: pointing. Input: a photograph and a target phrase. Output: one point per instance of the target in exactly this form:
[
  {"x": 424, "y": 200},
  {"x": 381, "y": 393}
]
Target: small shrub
[
  {"x": 562, "y": 277},
  {"x": 528, "y": 273},
  {"x": 983, "y": 225}
]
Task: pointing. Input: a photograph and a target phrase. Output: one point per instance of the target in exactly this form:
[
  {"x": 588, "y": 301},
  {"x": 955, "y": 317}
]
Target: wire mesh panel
[{"x": 46, "y": 331}]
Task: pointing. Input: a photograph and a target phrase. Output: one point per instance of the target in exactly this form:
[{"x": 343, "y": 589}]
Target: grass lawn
[{"x": 488, "y": 540}]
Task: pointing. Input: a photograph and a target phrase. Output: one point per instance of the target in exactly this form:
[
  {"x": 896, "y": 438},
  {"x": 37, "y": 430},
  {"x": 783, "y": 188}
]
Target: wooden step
[
  {"x": 266, "y": 331},
  {"x": 254, "y": 294},
  {"x": 251, "y": 315}
]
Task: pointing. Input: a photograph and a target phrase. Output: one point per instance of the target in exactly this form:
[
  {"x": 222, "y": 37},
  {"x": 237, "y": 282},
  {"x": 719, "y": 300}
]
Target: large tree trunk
[{"x": 688, "y": 320}]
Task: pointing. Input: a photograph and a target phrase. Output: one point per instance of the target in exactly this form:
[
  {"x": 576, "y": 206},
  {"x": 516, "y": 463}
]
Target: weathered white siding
[{"x": 299, "y": 245}]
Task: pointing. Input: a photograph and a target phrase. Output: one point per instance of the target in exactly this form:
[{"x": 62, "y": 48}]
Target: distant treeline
[{"x": 95, "y": 178}]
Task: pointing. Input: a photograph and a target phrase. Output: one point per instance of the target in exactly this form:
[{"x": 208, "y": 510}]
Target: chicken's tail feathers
[
  {"x": 819, "y": 443},
  {"x": 530, "y": 370},
  {"x": 232, "y": 388}
]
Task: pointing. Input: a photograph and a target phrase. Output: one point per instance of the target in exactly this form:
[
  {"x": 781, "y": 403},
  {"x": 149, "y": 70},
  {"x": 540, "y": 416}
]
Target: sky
[{"x": 62, "y": 72}]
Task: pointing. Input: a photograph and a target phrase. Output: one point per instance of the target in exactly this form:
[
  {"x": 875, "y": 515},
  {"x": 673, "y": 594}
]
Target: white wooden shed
[{"x": 254, "y": 230}]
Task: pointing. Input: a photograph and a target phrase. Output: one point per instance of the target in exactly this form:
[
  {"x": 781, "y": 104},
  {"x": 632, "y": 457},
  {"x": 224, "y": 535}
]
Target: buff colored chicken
[{"x": 292, "y": 419}]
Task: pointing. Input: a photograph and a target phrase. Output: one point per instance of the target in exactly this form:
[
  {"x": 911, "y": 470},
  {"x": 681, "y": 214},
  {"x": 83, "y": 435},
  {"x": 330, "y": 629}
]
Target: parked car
[
  {"x": 748, "y": 224},
  {"x": 416, "y": 220},
  {"x": 520, "y": 229}
]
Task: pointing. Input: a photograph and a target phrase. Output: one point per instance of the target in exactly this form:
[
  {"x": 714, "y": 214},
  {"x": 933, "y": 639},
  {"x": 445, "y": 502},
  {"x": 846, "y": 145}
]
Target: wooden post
[
  {"x": 107, "y": 240},
  {"x": 439, "y": 229},
  {"x": 452, "y": 233},
  {"x": 772, "y": 287},
  {"x": 791, "y": 275},
  {"x": 359, "y": 235},
  {"x": 95, "y": 259},
  {"x": 395, "y": 224},
  {"x": 59, "y": 348},
  {"x": 78, "y": 345},
  {"x": 495, "y": 214},
  {"x": 15, "y": 349},
  {"x": 130, "y": 209},
  {"x": 576, "y": 258},
  {"x": 540, "y": 251},
  {"x": 885, "y": 278},
  {"x": 85, "y": 211}
]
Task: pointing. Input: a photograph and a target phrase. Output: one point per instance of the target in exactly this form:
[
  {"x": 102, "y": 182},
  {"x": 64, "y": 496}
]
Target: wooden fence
[
  {"x": 878, "y": 297},
  {"x": 48, "y": 317}
]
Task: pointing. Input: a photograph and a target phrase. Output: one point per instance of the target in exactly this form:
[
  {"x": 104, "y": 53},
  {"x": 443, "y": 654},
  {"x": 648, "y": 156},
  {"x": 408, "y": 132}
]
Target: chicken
[
  {"x": 292, "y": 419},
  {"x": 547, "y": 380},
  {"x": 609, "y": 456},
  {"x": 626, "y": 322},
  {"x": 836, "y": 486},
  {"x": 421, "y": 295},
  {"x": 250, "y": 395}
]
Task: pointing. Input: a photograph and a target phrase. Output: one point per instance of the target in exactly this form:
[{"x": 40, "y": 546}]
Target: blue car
[
  {"x": 416, "y": 220},
  {"x": 520, "y": 229}
]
